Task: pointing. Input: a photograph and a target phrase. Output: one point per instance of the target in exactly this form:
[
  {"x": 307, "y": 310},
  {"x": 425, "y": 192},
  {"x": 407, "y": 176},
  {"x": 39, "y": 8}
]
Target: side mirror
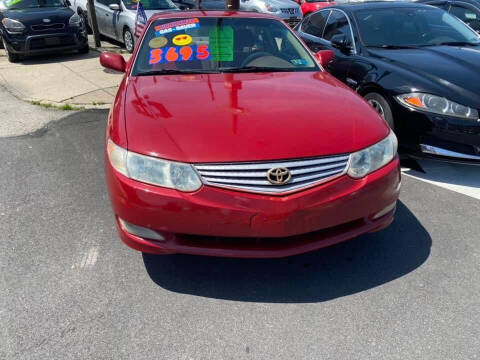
[
  {"x": 340, "y": 42},
  {"x": 114, "y": 7},
  {"x": 113, "y": 61},
  {"x": 325, "y": 57}
]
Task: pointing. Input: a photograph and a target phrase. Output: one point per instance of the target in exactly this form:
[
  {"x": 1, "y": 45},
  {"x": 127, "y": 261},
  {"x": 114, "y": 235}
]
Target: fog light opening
[
  {"x": 140, "y": 231},
  {"x": 385, "y": 210}
]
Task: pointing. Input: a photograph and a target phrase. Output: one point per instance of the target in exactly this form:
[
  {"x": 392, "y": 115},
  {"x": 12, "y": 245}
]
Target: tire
[
  {"x": 13, "y": 58},
  {"x": 128, "y": 40},
  {"x": 84, "y": 50},
  {"x": 381, "y": 105},
  {"x": 1, "y": 43},
  {"x": 85, "y": 21}
]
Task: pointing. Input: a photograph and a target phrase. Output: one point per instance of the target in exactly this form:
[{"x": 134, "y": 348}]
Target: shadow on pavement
[
  {"x": 57, "y": 58},
  {"x": 348, "y": 268}
]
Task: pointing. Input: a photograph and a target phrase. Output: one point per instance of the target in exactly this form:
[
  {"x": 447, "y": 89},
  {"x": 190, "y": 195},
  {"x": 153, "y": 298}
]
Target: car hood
[
  {"x": 282, "y": 3},
  {"x": 453, "y": 72},
  {"x": 35, "y": 15},
  {"x": 247, "y": 117}
]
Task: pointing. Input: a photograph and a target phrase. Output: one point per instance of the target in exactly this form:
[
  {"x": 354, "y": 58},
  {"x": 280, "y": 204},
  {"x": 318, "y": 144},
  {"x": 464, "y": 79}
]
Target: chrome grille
[
  {"x": 252, "y": 176},
  {"x": 46, "y": 27},
  {"x": 290, "y": 11}
]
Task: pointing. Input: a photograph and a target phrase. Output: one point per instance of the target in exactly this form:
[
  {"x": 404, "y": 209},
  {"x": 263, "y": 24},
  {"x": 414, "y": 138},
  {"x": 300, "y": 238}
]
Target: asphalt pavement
[{"x": 71, "y": 290}]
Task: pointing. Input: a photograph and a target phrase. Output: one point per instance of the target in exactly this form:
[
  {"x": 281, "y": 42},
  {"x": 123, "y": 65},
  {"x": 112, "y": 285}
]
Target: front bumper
[
  {"x": 220, "y": 222},
  {"x": 45, "y": 43},
  {"x": 438, "y": 137}
]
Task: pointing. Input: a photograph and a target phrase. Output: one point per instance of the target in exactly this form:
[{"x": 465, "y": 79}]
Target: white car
[{"x": 116, "y": 18}]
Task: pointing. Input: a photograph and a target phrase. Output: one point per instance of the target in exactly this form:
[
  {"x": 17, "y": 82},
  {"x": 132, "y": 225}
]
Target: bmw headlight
[
  {"x": 75, "y": 20},
  {"x": 13, "y": 26},
  {"x": 437, "y": 105},
  {"x": 152, "y": 170},
  {"x": 368, "y": 160}
]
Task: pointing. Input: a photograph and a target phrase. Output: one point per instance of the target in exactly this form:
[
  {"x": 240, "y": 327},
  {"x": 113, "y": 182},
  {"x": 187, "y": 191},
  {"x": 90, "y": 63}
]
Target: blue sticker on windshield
[{"x": 299, "y": 62}]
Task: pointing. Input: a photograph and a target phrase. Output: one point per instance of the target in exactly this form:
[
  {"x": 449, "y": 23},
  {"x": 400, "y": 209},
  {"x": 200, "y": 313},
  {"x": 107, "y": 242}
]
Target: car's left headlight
[
  {"x": 13, "y": 26},
  {"x": 75, "y": 20},
  {"x": 437, "y": 105},
  {"x": 374, "y": 157},
  {"x": 153, "y": 170}
]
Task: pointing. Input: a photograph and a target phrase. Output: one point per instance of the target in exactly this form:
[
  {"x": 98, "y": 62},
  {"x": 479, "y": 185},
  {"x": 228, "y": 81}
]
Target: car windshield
[
  {"x": 150, "y": 4},
  {"x": 412, "y": 27},
  {"x": 27, "y": 4},
  {"x": 220, "y": 44}
]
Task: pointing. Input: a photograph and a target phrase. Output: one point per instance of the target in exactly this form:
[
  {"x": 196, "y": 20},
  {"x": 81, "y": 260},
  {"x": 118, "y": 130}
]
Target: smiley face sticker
[{"x": 182, "y": 40}]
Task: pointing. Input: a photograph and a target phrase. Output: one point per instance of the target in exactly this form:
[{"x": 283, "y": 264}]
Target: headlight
[
  {"x": 152, "y": 170},
  {"x": 436, "y": 105},
  {"x": 13, "y": 26},
  {"x": 368, "y": 160},
  {"x": 271, "y": 8},
  {"x": 75, "y": 20}
]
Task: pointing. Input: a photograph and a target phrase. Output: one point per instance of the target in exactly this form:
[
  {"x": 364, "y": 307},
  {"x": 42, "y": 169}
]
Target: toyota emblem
[{"x": 279, "y": 176}]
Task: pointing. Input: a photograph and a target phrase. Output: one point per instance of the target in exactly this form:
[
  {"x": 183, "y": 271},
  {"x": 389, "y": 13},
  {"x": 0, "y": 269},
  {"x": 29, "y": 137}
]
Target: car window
[
  {"x": 26, "y": 4},
  {"x": 338, "y": 24},
  {"x": 411, "y": 27},
  {"x": 221, "y": 44},
  {"x": 468, "y": 16},
  {"x": 150, "y": 4},
  {"x": 106, "y": 2},
  {"x": 315, "y": 23}
]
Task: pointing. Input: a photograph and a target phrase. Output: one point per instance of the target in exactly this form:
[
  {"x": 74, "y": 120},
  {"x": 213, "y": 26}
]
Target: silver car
[
  {"x": 288, "y": 10},
  {"x": 116, "y": 18}
]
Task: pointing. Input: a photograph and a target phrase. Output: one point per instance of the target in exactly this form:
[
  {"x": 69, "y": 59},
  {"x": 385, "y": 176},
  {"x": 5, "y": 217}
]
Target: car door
[
  {"x": 469, "y": 14},
  {"x": 105, "y": 17}
]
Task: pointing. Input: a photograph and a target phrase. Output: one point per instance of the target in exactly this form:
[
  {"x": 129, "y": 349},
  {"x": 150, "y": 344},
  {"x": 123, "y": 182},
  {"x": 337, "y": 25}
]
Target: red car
[
  {"x": 228, "y": 138},
  {"x": 309, "y": 6}
]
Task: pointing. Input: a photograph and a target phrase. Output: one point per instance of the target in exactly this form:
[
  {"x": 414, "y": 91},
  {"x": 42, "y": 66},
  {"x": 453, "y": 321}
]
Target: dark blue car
[{"x": 29, "y": 27}]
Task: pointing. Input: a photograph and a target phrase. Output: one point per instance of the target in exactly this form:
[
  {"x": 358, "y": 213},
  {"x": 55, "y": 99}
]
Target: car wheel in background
[
  {"x": 84, "y": 50},
  {"x": 381, "y": 105},
  {"x": 128, "y": 40},
  {"x": 1, "y": 43},
  {"x": 85, "y": 21},
  {"x": 13, "y": 58}
]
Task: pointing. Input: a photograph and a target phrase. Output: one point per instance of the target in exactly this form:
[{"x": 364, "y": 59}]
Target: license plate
[{"x": 52, "y": 41}]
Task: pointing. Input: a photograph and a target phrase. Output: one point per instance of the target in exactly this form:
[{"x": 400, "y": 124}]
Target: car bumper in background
[
  {"x": 219, "y": 222},
  {"x": 45, "y": 43}
]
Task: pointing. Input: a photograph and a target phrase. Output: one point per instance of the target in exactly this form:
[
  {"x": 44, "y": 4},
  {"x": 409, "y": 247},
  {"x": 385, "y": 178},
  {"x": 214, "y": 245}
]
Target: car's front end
[
  {"x": 40, "y": 30},
  {"x": 287, "y": 10},
  {"x": 203, "y": 167}
]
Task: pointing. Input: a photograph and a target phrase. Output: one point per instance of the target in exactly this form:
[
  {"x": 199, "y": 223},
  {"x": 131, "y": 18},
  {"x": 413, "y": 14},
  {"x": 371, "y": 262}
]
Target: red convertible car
[{"x": 228, "y": 138}]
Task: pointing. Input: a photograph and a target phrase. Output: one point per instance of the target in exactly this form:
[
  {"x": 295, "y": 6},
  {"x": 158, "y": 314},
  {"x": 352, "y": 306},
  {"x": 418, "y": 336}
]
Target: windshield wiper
[
  {"x": 456, "y": 43},
  {"x": 256, "y": 69},
  {"x": 175, "y": 72}
]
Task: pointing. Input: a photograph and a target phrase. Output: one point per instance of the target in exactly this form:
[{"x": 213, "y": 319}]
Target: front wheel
[
  {"x": 382, "y": 107},
  {"x": 128, "y": 40},
  {"x": 13, "y": 58}
]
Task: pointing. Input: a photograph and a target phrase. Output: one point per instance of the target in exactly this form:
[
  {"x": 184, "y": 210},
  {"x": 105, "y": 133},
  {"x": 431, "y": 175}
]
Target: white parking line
[
  {"x": 88, "y": 259},
  {"x": 464, "y": 179}
]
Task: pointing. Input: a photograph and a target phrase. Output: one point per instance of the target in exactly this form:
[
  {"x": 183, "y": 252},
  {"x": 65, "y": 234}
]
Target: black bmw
[
  {"x": 30, "y": 27},
  {"x": 418, "y": 66}
]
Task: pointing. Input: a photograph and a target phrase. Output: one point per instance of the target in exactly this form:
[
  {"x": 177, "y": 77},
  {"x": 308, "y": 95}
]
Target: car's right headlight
[
  {"x": 374, "y": 157},
  {"x": 75, "y": 21},
  {"x": 271, "y": 8},
  {"x": 13, "y": 26},
  {"x": 153, "y": 170}
]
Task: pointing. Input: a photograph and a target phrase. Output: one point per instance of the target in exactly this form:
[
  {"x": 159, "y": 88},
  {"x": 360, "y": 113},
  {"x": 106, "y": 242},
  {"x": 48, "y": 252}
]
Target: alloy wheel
[
  {"x": 377, "y": 106},
  {"x": 128, "y": 40}
]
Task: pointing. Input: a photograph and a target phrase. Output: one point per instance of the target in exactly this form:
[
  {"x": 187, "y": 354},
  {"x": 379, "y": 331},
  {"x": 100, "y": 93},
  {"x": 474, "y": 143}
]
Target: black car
[
  {"x": 418, "y": 66},
  {"x": 466, "y": 10},
  {"x": 30, "y": 27}
]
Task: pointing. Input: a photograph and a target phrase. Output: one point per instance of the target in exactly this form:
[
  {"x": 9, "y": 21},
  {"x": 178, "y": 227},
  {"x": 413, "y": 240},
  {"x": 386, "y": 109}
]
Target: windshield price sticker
[
  {"x": 221, "y": 43},
  {"x": 181, "y": 53},
  {"x": 177, "y": 26}
]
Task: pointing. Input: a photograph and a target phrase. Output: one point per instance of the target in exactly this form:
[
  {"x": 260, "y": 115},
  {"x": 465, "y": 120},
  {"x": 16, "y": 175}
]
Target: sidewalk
[{"x": 58, "y": 80}]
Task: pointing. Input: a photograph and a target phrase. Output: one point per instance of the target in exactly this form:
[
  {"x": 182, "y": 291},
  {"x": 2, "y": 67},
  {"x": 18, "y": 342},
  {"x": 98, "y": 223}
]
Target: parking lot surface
[{"x": 71, "y": 290}]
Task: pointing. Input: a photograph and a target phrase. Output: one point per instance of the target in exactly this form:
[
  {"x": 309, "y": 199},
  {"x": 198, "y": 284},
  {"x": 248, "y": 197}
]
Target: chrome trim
[
  {"x": 250, "y": 177},
  {"x": 429, "y": 149}
]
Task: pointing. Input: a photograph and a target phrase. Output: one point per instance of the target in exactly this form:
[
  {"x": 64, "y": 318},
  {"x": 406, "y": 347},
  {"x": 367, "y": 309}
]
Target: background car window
[
  {"x": 150, "y": 4},
  {"x": 411, "y": 27},
  {"x": 107, "y": 2},
  {"x": 25, "y": 4},
  {"x": 338, "y": 24},
  {"x": 468, "y": 16},
  {"x": 315, "y": 23}
]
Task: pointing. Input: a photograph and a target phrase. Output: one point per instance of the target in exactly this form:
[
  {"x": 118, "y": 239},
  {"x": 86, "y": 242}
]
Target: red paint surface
[{"x": 308, "y": 8}]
